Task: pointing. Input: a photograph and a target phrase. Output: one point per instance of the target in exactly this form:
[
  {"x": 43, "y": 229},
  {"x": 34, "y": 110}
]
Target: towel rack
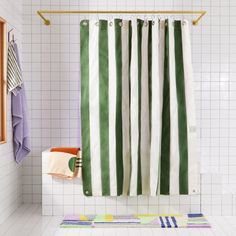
[{"x": 47, "y": 21}]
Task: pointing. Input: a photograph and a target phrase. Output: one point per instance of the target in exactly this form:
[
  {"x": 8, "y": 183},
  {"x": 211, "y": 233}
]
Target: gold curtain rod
[{"x": 47, "y": 21}]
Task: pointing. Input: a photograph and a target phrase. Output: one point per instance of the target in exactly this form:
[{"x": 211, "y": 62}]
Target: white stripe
[
  {"x": 157, "y": 86},
  {"x": 145, "y": 131},
  {"x": 174, "y": 134},
  {"x": 125, "y": 104},
  {"x": 112, "y": 108},
  {"x": 134, "y": 110},
  {"x": 193, "y": 163},
  {"x": 94, "y": 109}
]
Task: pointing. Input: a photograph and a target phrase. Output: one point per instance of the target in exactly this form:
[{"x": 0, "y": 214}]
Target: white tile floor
[{"x": 27, "y": 220}]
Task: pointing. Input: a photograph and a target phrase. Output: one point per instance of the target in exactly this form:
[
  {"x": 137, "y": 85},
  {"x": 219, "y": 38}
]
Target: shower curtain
[{"x": 137, "y": 108}]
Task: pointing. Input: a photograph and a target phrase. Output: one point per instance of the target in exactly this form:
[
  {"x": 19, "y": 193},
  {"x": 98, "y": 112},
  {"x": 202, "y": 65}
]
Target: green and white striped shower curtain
[{"x": 137, "y": 108}]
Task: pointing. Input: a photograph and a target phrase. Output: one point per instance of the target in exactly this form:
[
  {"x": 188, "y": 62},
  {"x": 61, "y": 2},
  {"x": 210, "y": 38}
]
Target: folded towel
[
  {"x": 66, "y": 149},
  {"x": 62, "y": 165},
  {"x": 65, "y": 163}
]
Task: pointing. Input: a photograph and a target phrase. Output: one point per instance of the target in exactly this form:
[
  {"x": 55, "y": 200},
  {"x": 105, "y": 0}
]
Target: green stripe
[
  {"x": 182, "y": 116},
  {"x": 104, "y": 106},
  {"x": 84, "y": 62},
  {"x": 165, "y": 136},
  {"x": 119, "y": 148},
  {"x": 150, "y": 74},
  {"x": 130, "y": 47},
  {"x": 139, "y": 38}
]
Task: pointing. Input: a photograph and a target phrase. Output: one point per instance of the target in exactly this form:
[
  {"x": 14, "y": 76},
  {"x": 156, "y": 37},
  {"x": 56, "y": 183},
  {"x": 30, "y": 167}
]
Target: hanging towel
[
  {"x": 14, "y": 75},
  {"x": 21, "y": 140},
  {"x": 64, "y": 163}
]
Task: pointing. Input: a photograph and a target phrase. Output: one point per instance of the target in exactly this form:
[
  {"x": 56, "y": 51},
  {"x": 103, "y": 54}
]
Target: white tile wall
[
  {"x": 51, "y": 69},
  {"x": 10, "y": 172}
]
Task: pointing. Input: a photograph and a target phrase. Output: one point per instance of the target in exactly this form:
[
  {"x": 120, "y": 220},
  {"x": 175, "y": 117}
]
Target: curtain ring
[
  {"x": 97, "y": 23},
  {"x": 166, "y": 22},
  {"x": 120, "y": 20},
  {"x": 146, "y": 23},
  {"x": 152, "y": 19},
  {"x": 120, "y": 17},
  {"x": 110, "y": 20},
  {"x": 172, "y": 20},
  {"x": 85, "y": 22},
  {"x": 145, "y": 18},
  {"x": 161, "y": 18}
]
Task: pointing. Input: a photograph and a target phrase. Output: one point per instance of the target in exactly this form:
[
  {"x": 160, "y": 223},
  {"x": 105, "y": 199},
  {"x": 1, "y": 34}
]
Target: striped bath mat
[{"x": 137, "y": 221}]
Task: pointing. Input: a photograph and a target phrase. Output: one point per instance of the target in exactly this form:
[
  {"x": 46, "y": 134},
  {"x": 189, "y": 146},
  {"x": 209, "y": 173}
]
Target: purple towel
[{"x": 21, "y": 142}]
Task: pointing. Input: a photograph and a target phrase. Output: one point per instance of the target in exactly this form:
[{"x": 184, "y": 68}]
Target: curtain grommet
[
  {"x": 110, "y": 23},
  {"x": 97, "y": 23},
  {"x": 85, "y": 23}
]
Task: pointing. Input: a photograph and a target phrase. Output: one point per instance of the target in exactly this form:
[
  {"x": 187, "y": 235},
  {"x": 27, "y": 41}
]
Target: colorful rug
[{"x": 137, "y": 221}]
